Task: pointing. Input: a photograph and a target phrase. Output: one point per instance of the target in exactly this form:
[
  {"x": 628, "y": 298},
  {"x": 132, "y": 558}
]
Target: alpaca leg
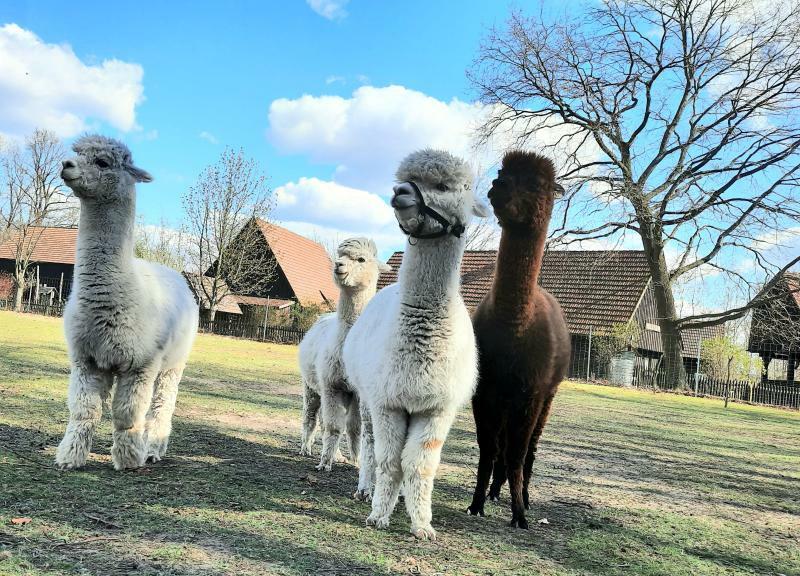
[
  {"x": 129, "y": 408},
  {"x": 366, "y": 471},
  {"x": 421, "y": 455},
  {"x": 518, "y": 434},
  {"x": 532, "y": 446},
  {"x": 311, "y": 404},
  {"x": 159, "y": 418},
  {"x": 334, "y": 421},
  {"x": 499, "y": 474},
  {"x": 88, "y": 388},
  {"x": 389, "y": 427},
  {"x": 354, "y": 429},
  {"x": 488, "y": 429}
]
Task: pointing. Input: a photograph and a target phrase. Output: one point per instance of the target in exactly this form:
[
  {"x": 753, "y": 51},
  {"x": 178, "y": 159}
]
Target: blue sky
[
  {"x": 203, "y": 75},
  {"x": 328, "y": 95}
]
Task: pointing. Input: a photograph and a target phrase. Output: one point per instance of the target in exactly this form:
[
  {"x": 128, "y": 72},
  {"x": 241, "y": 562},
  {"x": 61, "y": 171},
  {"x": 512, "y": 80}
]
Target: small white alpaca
[
  {"x": 126, "y": 318},
  {"x": 411, "y": 355},
  {"x": 356, "y": 271}
]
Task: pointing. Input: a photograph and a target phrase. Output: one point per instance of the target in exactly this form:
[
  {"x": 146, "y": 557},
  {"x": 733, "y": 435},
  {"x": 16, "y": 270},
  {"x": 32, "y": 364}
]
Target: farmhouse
[
  {"x": 775, "y": 327},
  {"x": 52, "y": 258},
  {"x": 303, "y": 269},
  {"x": 597, "y": 290}
]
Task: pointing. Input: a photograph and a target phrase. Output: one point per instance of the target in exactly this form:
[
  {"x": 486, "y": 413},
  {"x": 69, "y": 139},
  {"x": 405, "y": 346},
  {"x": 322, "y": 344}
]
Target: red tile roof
[
  {"x": 597, "y": 288},
  {"x": 259, "y": 301},
  {"x": 50, "y": 244},
  {"x": 304, "y": 262}
]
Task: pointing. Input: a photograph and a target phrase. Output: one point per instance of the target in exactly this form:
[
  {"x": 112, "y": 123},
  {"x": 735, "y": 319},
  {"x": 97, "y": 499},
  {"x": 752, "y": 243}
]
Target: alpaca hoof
[
  {"x": 126, "y": 456},
  {"x": 475, "y": 510},
  {"x": 156, "y": 451},
  {"x": 424, "y": 532},
  {"x": 305, "y": 451},
  {"x": 363, "y": 495},
  {"x": 324, "y": 467},
  {"x": 70, "y": 458},
  {"x": 379, "y": 522},
  {"x": 520, "y": 522}
]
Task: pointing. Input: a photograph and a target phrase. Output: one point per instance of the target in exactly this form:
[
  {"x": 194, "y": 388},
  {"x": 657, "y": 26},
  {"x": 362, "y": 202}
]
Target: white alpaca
[
  {"x": 125, "y": 318},
  {"x": 356, "y": 271},
  {"x": 411, "y": 354}
]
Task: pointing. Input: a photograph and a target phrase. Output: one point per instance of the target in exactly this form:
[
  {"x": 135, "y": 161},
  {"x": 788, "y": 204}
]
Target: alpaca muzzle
[{"x": 407, "y": 195}]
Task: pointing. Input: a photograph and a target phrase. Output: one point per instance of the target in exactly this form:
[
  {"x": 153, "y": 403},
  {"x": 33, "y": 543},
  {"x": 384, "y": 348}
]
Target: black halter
[{"x": 446, "y": 227}]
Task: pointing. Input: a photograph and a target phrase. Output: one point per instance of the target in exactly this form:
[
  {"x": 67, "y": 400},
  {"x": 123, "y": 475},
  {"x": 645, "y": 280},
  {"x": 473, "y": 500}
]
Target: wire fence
[{"x": 701, "y": 373}]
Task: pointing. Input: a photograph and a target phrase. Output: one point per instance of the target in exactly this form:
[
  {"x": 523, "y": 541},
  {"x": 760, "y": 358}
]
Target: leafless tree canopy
[
  {"x": 225, "y": 242},
  {"x": 678, "y": 121},
  {"x": 162, "y": 244},
  {"x": 32, "y": 197}
]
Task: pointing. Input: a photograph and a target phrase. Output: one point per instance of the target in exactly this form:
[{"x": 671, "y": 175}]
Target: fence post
[
  {"x": 589, "y": 355},
  {"x": 697, "y": 370}
]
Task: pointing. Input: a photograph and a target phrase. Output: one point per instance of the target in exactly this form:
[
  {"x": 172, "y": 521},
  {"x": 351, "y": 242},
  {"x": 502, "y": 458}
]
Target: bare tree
[
  {"x": 677, "y": 120},
  {"x": 32, "y": 198},
  {"x": 224, "y": 213},
  {"x": 161, "y": 244}
]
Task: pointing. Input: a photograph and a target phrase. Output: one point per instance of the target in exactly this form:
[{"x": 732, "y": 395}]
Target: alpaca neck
[
  {"x": 519, "y": 262},
  {"x": 429, "y": 275},
  {"x": 351, "y": 303},
  {"x": 106, "y": 239}
]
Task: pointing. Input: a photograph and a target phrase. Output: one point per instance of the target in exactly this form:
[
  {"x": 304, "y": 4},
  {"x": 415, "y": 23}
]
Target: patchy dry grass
[{"x": 630, "y": 482}]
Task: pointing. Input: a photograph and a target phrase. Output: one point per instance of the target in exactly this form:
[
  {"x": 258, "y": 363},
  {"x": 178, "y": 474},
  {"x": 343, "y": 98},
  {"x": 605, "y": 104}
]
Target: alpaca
[
  {"x": 125, "y": 318},
  {"x": 411, "y": 355},
  {"x": 522, "y": 336},
  {"x": 356, "y": 272}
]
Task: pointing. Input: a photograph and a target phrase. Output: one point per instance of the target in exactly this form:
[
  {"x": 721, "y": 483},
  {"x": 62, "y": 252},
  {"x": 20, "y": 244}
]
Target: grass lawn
[{"x": 630, "y": 483}]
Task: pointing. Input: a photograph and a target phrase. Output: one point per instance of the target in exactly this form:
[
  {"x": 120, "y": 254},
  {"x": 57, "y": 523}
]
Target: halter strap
[{"x": 446, "y": 227}]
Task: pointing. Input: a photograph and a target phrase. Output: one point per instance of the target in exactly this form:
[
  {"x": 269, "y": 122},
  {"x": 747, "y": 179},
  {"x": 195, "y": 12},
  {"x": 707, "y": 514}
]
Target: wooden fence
[
  {"x": 771, "y": 393},
  {"x": 227, "y": 327},
  {"x": 234, "y": 327}
]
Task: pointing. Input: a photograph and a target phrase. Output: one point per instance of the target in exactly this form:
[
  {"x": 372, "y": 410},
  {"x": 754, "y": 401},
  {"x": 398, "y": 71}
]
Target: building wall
[{"x": 49, "y": 274}]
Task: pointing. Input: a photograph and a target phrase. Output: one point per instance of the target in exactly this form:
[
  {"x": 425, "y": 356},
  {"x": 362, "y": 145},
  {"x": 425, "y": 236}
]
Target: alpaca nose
[
  {"x": 69, "y": 164},
  {"x": 403, "y": 196}
]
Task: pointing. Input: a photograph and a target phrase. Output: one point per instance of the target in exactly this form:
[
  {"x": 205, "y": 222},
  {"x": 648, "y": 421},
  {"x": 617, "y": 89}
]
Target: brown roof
[
  {"x": 793, "y": 283},
  {"x": 259, "y": 301},
  {"x": 50, "y": 244},
  {"x": 305, "y": 264},
  {"x": 691, "y": 337},
  {"x": 228, "y": 303},
  {"x": 597, "y": 288}
]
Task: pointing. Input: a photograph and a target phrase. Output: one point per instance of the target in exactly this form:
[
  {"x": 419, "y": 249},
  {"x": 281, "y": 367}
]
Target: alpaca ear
[
  {"x": 480, "y": 209},
  {"x": 558, "y": 191},
  {"x": 384, "y": 267},
  {"x": 138, "y": 174}
]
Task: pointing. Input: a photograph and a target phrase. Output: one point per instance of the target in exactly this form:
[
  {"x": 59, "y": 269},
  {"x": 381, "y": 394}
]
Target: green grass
[{"x": 630, "y": 482}]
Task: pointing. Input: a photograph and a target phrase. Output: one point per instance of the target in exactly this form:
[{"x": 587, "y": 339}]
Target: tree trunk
[
  {"x": 19, "y": 292},
  {"x": 674, "y": 371}
]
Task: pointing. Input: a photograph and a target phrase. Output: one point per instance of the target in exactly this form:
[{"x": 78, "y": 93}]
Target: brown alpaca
[{"x": 522, "y": 337}]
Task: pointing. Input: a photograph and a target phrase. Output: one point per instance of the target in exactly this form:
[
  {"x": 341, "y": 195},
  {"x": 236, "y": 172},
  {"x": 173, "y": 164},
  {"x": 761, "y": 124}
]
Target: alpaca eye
[
  {"x": 441, "y": 187},
  {"x": 361, "y": 260},
  {"x": 101, "y": 163}
]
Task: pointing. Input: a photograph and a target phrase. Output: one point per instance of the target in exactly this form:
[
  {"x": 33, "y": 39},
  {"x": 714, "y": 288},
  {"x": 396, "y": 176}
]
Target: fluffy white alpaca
[
  {"x": 411, "y": 354},
  {"x": 356, "y": 271},
  {"x": 126, "y": 318}
]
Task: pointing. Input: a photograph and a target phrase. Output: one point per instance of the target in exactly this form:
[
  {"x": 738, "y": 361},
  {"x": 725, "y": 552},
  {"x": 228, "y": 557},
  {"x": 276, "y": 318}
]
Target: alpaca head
[
  {"x": 102, "y": 171},
  {"x": 434, "y": 198},
  {"x": 523, "y": 193},
  {"x": 357, "y": 265}
]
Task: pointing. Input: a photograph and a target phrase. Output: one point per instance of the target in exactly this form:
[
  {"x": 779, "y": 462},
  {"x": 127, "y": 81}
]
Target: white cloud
[
  {"x": 333, "y": 79},
  {"x": 330, "y": 9},
  {"x": 365, "y": 136},
  {"x": 208, "y": 137},
  {"x": 47, "y": 86}
]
